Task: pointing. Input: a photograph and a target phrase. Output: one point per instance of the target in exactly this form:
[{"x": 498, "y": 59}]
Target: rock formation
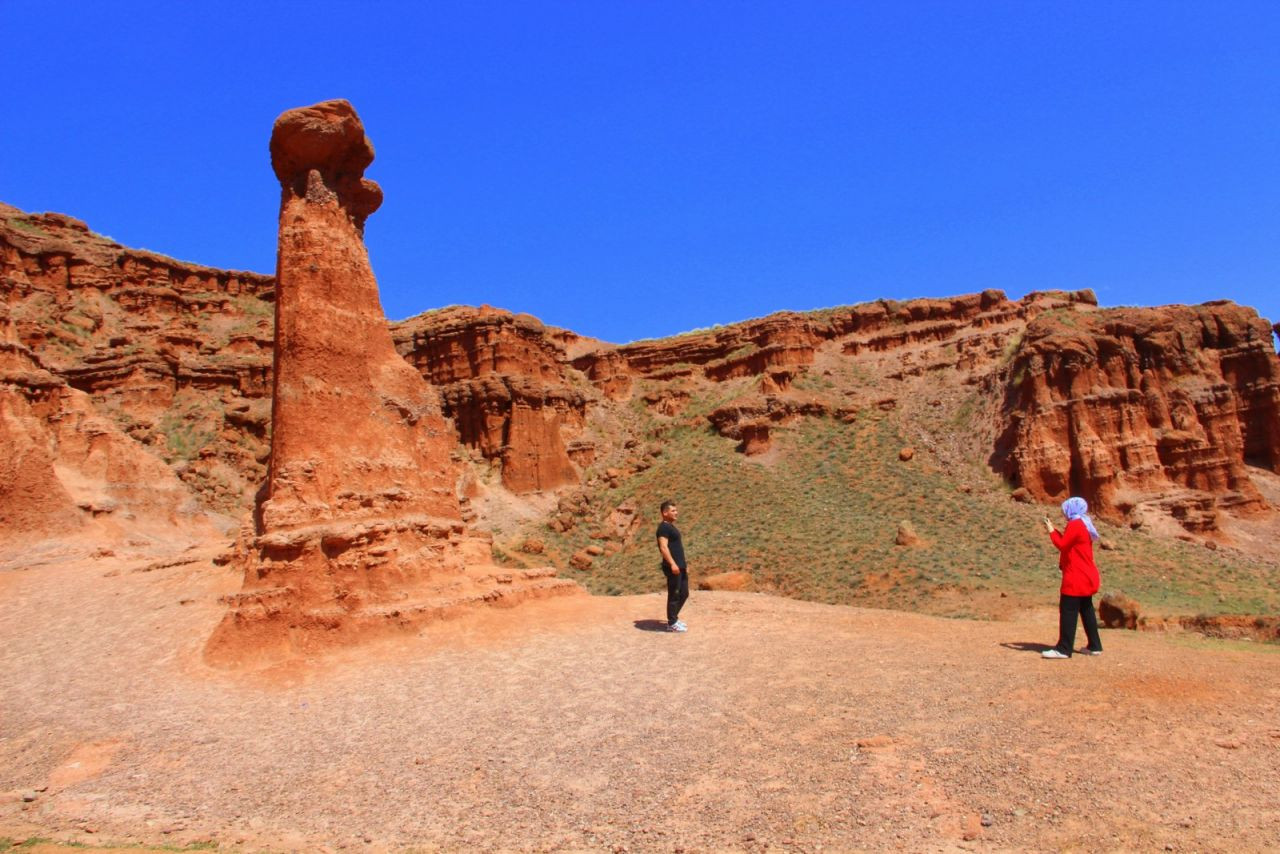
[
  {"x": 178, "y": 356},
  {"x": 1166, "y": 413},
  {"x": 1144, "y": 409},
  {"x": 502, "y": 381},
  {"x": 68, "y": 474},
  {"x": 359, "y": 528}
]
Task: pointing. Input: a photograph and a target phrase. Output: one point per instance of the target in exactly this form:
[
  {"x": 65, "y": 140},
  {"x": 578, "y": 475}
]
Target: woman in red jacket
[{"x": 1079, "y": 579}]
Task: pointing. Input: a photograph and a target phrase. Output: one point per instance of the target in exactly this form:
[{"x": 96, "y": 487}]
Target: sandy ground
[{"x": 574, "y": 725}]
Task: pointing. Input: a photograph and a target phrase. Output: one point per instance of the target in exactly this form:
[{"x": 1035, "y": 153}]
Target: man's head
[{"x": 669, "y": 510}]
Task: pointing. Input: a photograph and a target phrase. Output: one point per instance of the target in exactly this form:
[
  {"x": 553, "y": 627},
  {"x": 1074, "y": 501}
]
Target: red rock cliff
[
  {"x": 66, "y": 471},
  {"x": 503, "y": 381},
  {"x": 1131, "y": 407},
  {"x": 176, "y": 355},
  {"x": 359, "y": 528}
]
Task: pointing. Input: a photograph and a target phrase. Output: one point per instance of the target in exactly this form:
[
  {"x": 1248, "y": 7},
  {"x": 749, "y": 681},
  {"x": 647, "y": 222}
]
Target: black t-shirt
[{"x": 674, "y": 543}]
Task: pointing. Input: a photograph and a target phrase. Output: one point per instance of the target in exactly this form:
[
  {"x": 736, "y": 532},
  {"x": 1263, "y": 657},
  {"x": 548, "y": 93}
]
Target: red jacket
[{"x": 1075, "y": 559}]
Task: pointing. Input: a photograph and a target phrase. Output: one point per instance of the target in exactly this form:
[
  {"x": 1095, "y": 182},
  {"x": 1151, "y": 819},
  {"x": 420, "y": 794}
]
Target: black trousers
[
  {"x": 1069, "y": 609},
  {"x": 677, "y": 592}
]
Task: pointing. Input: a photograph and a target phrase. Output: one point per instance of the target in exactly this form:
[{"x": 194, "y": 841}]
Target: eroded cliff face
[
  {"x": 505, "y": 382},
  {"x": 816, "y": 364},
  {"x": 359, "y": 529},
  {"x": 68, "y": 472},
  {"x": 1158, "y": 412},
  {"x": 178, "y": 356},
  {"x": 1144, "y": 409}
]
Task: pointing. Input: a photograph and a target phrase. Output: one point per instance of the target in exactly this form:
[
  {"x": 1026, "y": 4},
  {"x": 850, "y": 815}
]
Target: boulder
[
  {"x": 907, "y": 535},
  {"x": 737, "y": 580},
  {"x": 1117, "y": 611}
]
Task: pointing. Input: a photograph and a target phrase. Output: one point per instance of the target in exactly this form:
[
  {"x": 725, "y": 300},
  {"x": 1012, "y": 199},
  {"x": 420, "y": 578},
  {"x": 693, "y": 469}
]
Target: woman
[{"x": 1079, "y": 579}]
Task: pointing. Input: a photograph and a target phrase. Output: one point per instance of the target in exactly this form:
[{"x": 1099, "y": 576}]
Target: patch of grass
[
  {"x": 1011, "y": 347},
  {"x": 820, "y": 524},
  {"x": 188, "y": 427},
  {"x": 23, "y": 225}
]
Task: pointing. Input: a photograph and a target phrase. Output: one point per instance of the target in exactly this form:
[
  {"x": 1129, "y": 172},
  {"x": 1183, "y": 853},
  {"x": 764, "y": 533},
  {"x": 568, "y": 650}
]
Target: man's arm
[{"x": 666, "y": 555}]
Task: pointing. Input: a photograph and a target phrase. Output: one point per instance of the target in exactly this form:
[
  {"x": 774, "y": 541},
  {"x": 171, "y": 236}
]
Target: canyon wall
[
  {"x": 1133, "y": 408},
  {"x": 1161, "y": 410},
  {"x": 69, "y": 473},
  {"x": 504, "y": 382},
  {"x": 178, "y": 356}
]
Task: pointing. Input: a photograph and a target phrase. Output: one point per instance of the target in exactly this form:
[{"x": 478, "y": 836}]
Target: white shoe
[
  {"x": 681, "y": 624},
  {"x": 1053, "y": 653},
  {"x": 677, "y": 627}
]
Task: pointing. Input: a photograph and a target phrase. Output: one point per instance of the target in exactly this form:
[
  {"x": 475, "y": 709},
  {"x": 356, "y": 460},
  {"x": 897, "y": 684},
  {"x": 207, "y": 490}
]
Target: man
[{"x": 674, "y": 566}]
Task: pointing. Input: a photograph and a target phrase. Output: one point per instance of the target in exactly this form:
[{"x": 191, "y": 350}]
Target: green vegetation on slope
[{"x": 819, "y": 522}]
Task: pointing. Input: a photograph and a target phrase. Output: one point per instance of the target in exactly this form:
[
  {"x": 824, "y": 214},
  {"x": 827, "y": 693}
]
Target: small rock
[
  {"x": 1106, "y": 545},
  {"x": 1022, "y": 495},
  {"x": 1211, "y": 545},
  {"x": 594, "y": 551},
  {"x": 737, "y": 580},
  {"x": 533, "y": 546},
  {"x": 29, "y": 796},
  {"x": 907, "y": 535},
  {"x": 1118, "y": 611},
  {"x": 987, "y": 819},
  {"x": 906, "y": 454}
]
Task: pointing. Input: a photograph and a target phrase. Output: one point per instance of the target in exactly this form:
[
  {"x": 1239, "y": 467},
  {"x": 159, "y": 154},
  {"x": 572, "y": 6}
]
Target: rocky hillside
[
  {"x": 176, "y": 355},
  {"x": 798, "y": 442}
]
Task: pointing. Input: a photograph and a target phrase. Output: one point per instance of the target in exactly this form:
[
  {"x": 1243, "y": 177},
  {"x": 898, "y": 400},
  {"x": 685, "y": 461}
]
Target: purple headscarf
[{"x": 1078, "y": 508}]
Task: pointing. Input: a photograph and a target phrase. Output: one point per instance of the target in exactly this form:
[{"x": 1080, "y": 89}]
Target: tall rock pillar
[{"x": 358, "y": 527}]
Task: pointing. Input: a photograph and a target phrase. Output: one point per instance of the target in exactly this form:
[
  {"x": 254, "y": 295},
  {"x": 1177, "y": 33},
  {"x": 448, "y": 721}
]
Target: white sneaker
[
  {"x": 677, "y": 626},
  {"x": 681, "y": 624},
  {"x": 1053, "y": 653}
]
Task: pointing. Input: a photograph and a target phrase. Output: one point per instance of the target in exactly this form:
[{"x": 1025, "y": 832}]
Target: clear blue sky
[{"x": 637, "y": 169}]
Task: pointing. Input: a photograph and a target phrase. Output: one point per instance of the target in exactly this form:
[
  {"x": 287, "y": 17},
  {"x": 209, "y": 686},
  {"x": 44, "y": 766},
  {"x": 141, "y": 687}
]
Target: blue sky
[{"x": 637, "y": 169}]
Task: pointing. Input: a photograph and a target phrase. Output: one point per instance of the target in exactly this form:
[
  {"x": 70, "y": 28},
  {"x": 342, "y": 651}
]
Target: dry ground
[{"x": 574, "y": 725}]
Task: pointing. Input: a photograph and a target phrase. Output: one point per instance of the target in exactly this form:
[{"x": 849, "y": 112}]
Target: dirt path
[{"x": 572, "y": 725}]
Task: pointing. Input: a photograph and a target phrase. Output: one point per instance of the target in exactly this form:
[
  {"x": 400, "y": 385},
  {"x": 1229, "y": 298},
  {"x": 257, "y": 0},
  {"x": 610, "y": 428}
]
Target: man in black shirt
[{"x": 674, "y": 566}]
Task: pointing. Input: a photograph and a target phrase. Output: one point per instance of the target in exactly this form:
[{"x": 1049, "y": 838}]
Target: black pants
[
  {"x": 1070, "y": 608},
  {"x": 677, "y": 592}
]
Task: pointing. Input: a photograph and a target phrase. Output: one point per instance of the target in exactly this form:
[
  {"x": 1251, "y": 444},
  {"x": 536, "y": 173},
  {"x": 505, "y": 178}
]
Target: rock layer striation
[{"x": 1144, "y": 410}]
